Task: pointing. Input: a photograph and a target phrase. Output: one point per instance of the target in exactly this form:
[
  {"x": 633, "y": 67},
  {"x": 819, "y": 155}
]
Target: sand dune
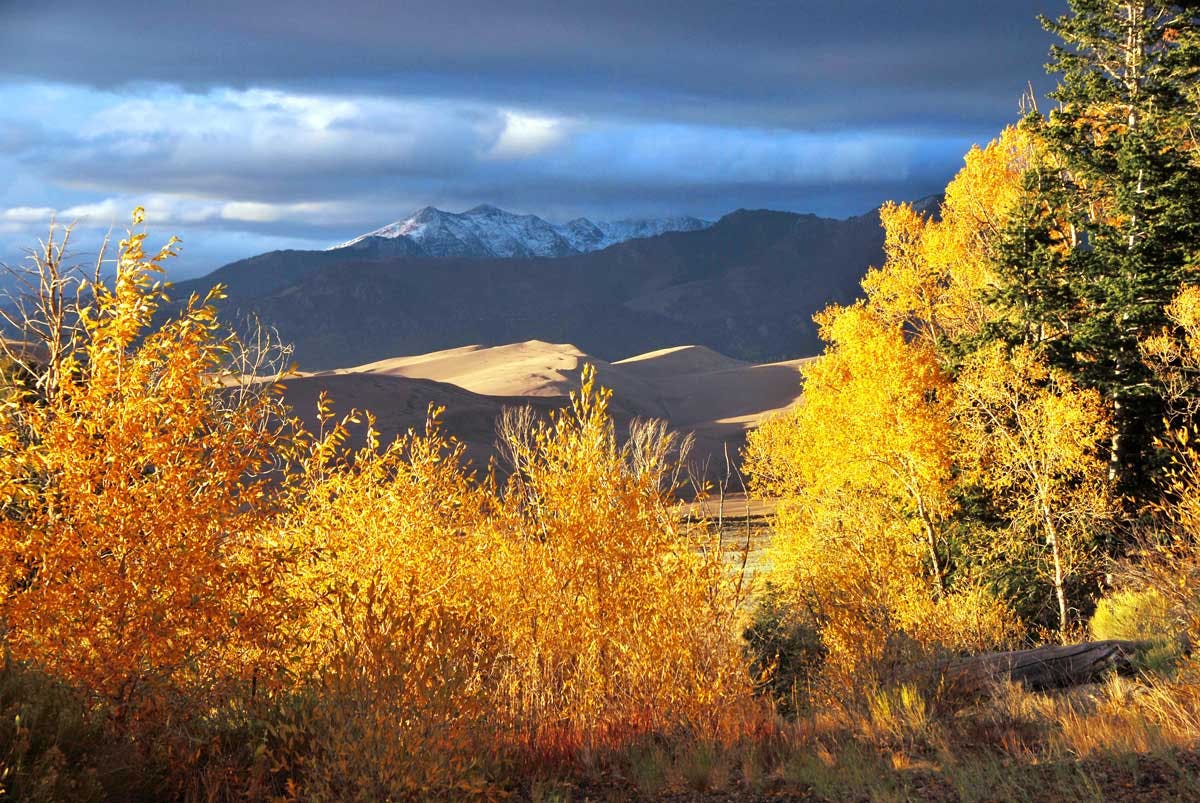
[
  {"x": 533, "y": 368},
  {"x": 400, "y": 403},
  {"x": 695, "y": 388},
  {"x": 679, "y": 360},
  {"x": 686, "y": 384}
]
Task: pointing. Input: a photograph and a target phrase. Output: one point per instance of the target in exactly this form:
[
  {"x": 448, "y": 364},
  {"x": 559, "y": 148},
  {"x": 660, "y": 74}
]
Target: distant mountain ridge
[
  {"x": 746, "y": 287},
  {"x": 487, "y": 232}
]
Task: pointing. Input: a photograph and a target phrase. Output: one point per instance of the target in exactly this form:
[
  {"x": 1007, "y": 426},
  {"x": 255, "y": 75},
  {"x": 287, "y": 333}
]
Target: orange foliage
[
  {"x": 461, "y": 622},
  {"x": 166, "y": 527},
  {"x": 615, "y": 617},
  {"x": 130, "y": 499},
  {"x": 394, "y": 626}
]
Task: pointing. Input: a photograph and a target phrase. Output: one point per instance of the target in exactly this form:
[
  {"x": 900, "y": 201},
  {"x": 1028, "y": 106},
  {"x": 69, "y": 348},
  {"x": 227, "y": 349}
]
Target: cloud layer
[{"x": 246, "y": 126}]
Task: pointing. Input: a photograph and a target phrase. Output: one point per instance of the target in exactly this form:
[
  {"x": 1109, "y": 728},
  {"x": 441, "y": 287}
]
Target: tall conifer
[{"x": 1112, "y": 226}]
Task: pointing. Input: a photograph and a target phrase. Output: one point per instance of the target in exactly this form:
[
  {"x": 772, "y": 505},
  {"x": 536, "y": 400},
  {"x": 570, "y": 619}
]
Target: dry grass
[
  {"x": 1126, "y": 737},
  {"x": 1123, "y": 739}
]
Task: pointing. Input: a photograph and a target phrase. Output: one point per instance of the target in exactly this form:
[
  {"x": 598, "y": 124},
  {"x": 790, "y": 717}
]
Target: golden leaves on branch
[
  {"x": 130, "y": 503},
  {"x": 871, "y": 463},
  {"x": 1035, "y": 441},
  {"x": 937, "y": 275},
  {"x": 865, "y": 468},
  {"x": 561, "y": 609}
]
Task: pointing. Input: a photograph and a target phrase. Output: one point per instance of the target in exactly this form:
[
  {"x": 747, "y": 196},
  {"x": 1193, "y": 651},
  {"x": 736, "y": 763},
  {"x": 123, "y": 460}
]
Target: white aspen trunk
[
  {"x": 1115, "y": 445},
  {"x": 1060, "y": 593},
  {"x": 939, "y": 570}
]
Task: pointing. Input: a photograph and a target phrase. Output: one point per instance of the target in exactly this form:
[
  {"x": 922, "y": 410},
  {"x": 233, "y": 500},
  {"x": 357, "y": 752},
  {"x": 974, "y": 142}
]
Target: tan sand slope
[
  {"x": 400, "y": 403},
  {"x": 695, "y": 388},
  {"x": 532, "y": 368},
  {"x": 679, "y": 360}
]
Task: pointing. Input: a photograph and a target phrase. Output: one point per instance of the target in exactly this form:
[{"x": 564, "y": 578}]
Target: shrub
[
  {"x": 50, "y": 744},
  {"x": 451, "y": 627},
  {"x": 131, "y": 485},
  {"x": 393, "y": 631},
  {"x": 617, "y": 621},
  {"x": 1142, "y": 615},
  {"x": 785, "y": 650}
]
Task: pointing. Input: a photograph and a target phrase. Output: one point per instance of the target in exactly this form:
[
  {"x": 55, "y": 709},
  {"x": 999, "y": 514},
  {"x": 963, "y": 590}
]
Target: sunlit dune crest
[{"x": 696, "y": 389}]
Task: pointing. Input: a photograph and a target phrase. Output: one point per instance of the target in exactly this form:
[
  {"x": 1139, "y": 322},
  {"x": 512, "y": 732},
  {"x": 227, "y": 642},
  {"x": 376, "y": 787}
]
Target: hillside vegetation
[{"x": 206, "y": 599}]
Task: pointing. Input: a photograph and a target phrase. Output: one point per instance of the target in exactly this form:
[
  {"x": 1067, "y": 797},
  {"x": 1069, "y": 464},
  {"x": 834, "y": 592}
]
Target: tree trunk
[
  {"x": 1060, "y": 592},
  {"x": 1052, "y": 667},
  {"x": 939, "y": 570},
  {"x": 1116, "y": 444}
]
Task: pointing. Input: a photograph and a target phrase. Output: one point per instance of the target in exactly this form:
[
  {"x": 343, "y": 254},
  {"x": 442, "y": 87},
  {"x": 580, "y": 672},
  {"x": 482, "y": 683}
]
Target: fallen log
[{"x": 1052, "y": 667}]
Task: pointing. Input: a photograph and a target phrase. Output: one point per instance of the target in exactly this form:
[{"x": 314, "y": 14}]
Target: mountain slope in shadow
[{"x": 747, "y": 287}]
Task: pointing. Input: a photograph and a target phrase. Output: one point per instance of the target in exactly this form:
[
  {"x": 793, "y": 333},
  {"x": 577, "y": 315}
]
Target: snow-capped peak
[{"x": 489, "y": 232}]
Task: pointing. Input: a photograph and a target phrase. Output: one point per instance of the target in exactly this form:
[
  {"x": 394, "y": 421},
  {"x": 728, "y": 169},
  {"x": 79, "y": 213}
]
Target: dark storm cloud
[
  {"x": 799, "y": 64},
  {"x": 248, "y": 125}
]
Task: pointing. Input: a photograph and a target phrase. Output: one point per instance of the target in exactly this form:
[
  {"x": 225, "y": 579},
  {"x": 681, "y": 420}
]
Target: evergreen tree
[{"x": 1111, "y": 229}]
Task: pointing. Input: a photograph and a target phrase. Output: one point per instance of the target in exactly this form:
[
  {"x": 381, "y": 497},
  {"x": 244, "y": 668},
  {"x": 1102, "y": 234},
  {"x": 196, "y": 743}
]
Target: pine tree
[{"x": 1110, "y": 230}]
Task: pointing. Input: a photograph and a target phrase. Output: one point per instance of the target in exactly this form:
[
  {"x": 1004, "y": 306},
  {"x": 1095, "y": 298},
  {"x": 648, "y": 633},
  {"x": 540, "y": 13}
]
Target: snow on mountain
[
  {"x": 618, "y": 231},
  {"x": 584, "y": 235},
  {"x": 486, "y": 231}
]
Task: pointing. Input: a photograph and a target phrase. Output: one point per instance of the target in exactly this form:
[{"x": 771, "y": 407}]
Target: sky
[{"x": 244, "y": 126}]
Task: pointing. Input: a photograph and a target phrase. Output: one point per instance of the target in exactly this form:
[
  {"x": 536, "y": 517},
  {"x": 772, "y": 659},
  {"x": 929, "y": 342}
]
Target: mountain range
[
  {"x": 746, "y": 286},
  {"x": 487, "y": 232}
]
